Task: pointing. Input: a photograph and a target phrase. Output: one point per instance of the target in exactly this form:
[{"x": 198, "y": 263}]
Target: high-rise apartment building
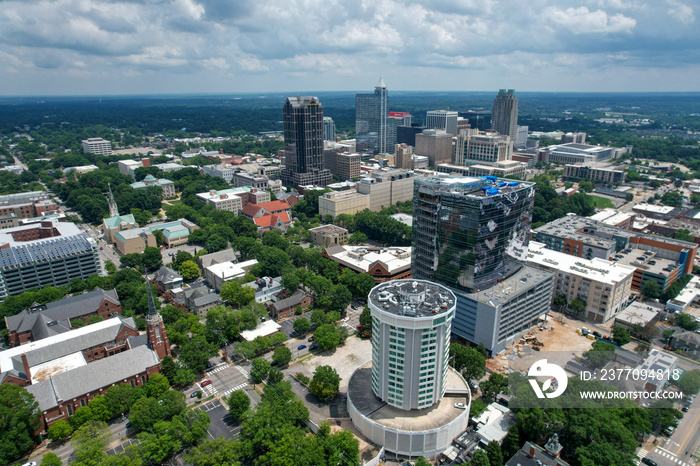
[
  {"x": 442, "y": 119},
  {"x": 417, "y": 404},
  {"x": 303, "y": 142},
  {"x": 403, "y": 156},
  {"x": 328, "y": 129},
  {"x": 504, "y": 117},
  {"x": 436, "y": 144},
  {"x": 475, "y": 147},
  {"x": 471, "y": 235},
  {"x": 97, "y": 146},
  {"x": 411, "y": 322},
  {"x": 371, "y": 113}
]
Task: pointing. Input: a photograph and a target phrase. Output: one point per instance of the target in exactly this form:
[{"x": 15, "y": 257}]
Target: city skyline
[{"x": 210, "y": 46}]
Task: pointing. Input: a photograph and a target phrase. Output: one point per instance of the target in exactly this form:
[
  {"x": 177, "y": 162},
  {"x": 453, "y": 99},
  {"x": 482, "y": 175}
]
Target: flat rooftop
[
  {"x": 484, "y": 186},
  {"x": 650, "y": 263},
  {"x": 415, "y": 420},
  {"x": 522, "y": 280},
  {"x": 597, "y": 269},
  {"x": 412, "y": 298}
]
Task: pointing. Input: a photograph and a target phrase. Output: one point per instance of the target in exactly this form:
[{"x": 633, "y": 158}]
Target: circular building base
[{"x": 418, "y": 432}]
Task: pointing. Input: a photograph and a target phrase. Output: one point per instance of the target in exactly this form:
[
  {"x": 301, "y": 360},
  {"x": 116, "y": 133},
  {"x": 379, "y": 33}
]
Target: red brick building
[{"x": 50, "y": 319}]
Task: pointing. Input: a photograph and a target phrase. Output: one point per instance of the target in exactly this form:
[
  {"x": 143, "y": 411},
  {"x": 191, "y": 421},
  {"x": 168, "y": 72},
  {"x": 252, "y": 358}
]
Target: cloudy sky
[{"x": 56, "y": 47}]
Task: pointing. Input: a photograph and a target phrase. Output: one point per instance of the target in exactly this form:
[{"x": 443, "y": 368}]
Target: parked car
[
  {"x": 301, "y": 347},
  {"x": 460, "y": 406},
  {"x": 313, "y": 346},
  {"x": 205, "y": 383},
  {"x": 648, "y": 462},
  {"x": 194, "y": 394},
  {"x": 685, "y": 408},
  {"x": 669, "y": 430},
  {"x": 128, "y": 425}
]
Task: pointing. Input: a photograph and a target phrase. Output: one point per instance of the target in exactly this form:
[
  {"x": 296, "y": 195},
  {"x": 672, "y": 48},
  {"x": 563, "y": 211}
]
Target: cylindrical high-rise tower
[{"x": 411, "y": 324}]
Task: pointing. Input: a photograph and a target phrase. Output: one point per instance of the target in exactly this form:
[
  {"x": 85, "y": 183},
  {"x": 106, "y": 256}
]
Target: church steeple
[
  {"x": 113, "y": 210},
  {"x": 155, "y": 329}
]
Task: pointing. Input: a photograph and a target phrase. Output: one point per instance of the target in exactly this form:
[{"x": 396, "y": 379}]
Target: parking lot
[
  {"x": 222, "y": 424},
  {"x": 169, "y": 253},
  {"x": 122, "y": 447}
]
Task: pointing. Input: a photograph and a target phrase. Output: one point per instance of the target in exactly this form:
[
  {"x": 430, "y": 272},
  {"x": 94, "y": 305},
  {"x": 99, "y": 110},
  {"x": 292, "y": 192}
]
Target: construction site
[{"x": 558, "y": 336}]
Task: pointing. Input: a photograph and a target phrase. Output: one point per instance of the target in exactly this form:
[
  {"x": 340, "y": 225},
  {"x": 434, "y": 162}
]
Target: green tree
[
  {"x": 480, "y": 458},
  {"x": 621, "y": 336},
  {"x": 318, "y": 317},
  {"x": 156, "y": 385},
  {"x": 51, "y": 459},
  {"x": 600, "y": 354},
  {"x": 100, "y": 408},
  {"x": 196, "y": 353},
  {"x": 493, "y": 451},
  {"x": 120, "y": 398},
  {"x": 629, "y": 197},
  {"x": 689, "y": 383},
  {"x": 239, "y": 403},
  {"x": 260, "y": 367},
  {"x": 560, "y": 300},
  {"x": 327, "y": 337},
  {"x": 290, "y": 281},
  {"x": 586, "y": 186},
  {"x": 189, "y": 270},
  {"x": 420, "y": 461},
  {"x": 236, "y": 294},
  {"x": 469, "y": 361},
  {"x": 301, "y": 325},
  {"x": 159, "y": 236},
  {"x": 131, "y": 260},
  {"x": 686, "y": 321},
  {"x": 89, "y": 443},
  {"x": 325, "y": 383},
  {"x": 60, "y": 430},
  {"x": 341, "y": 298},
  {"x": 275, "y": 376},
  {"x": 215, "y": 452},
  {"x": 151, "y": 259},
  {"x": 684, "y": 235},
  {"x": 650, "y": 288},
  {"x": 281, "y": 356},
  {"x": 578, "y": 305},
  {"x": 357, "y": 238},
  {"x": 496, "y": 384},
  {"x": 366, "y": 318},
  {"x": 82, "y": 416},
  {"x": 169, "y": 368}
]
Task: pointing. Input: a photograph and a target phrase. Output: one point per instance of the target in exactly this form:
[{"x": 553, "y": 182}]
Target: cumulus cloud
[
  {"x": 681, "y": 11},
  {"x": 583, "y": 21},
  {"x": 277, "y": 41}
]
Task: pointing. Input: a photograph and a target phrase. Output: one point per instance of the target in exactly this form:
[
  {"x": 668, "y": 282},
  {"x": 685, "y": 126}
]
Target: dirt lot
[
  {"x": 345, "y": 359},
  {"x": 560, "y": 343}
]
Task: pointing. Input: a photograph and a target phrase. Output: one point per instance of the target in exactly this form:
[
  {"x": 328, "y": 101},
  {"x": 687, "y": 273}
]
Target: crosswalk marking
[
  {"x": 242, "y": 371},
  {"x": 670, "y": 456},
  {"x": 218, "y": 368},
  {"x": 641, "y": 453},
  {"x": 239, "y": 387}
]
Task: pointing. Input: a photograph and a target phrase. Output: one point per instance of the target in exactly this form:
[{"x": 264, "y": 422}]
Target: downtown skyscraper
[
  {"x": 371, "y": 113},
  {"x": 303, "y": 142},
  {"x": 504, "y": 117},
  {"x": 471, "y": 235}
]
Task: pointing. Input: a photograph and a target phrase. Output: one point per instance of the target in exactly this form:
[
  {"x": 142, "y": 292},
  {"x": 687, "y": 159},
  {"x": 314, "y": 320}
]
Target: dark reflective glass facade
[{"x": 470, "y": 233}]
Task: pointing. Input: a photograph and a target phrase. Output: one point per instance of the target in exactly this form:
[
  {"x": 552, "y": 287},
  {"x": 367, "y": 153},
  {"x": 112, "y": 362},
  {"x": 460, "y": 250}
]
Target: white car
[
  {"x": 460, "y": 406},
  {"x": 31, "y": 463}
]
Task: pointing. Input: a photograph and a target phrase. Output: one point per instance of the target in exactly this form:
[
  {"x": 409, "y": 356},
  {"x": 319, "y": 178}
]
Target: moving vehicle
[
  {"x": 205, "y": 383},
  {"x": 301, "y": 347}
]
